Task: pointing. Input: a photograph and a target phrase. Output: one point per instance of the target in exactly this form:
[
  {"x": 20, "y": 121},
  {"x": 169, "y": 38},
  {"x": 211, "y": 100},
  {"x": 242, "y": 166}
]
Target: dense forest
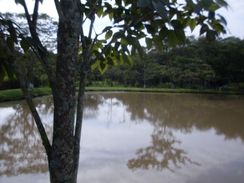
[{"x": 198, "y": 64}]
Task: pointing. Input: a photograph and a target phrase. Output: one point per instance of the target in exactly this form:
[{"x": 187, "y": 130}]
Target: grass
[
  {"x": 164, "y": 90},
  {"x": 16, "y": 94}
]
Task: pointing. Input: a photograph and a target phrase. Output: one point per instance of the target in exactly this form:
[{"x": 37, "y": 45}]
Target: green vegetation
[
  {"x": 165, "y": 90},
  {"x": 197, "y": 67},
  {"x": 199, "y": 64},
  {"x": 16, "y": 94}
]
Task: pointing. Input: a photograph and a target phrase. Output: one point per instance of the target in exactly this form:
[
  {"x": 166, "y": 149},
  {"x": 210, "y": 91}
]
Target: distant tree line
[{"x": 198, "y": 64}]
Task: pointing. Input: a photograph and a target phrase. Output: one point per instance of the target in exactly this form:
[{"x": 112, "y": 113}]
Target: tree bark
[{"x": 62, "y": 153}]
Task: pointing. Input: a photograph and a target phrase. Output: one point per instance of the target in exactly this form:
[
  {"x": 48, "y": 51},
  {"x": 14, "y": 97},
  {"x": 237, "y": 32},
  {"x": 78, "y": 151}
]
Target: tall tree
[{"x": 159, "y": 22}]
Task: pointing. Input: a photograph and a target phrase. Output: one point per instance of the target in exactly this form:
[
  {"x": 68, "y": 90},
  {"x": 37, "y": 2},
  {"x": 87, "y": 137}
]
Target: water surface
[{"x": 134, "y": 137}]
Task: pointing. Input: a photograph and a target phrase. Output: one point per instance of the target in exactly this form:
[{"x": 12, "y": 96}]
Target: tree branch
[
  {"x": 91, "y": 27},
  {"x": 42, "y": 52},
  {"x": 92, "y": 12},
  {"x": 78, "y": 125},
  {"x": 58, "y": 7},
  {"x": 35, "y": 14},
  {"x": 28, "y": 97},
  {"x": 27, "y": 14},
  {"x": 38, "y": 121}
]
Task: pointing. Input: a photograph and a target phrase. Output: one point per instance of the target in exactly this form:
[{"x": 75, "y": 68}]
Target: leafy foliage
[
  {"x": 158, "y": 22},
  {"x": 17, "y": 46}
]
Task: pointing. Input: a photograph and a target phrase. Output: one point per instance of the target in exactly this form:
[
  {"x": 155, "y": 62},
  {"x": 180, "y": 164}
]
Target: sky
[{"x": 234, "y": 14}]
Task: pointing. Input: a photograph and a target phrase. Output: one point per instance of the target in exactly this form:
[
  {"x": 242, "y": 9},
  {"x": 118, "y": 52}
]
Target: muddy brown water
[{"x": 134, "y": 138}]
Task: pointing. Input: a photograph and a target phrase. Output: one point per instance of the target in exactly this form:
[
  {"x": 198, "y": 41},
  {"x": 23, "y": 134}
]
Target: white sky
[{"x": 234, "y": 15}]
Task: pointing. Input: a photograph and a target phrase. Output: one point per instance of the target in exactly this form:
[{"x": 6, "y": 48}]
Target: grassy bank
[
  {"x": 165, "y": 90},
  {"x": 16, "y": 94}
]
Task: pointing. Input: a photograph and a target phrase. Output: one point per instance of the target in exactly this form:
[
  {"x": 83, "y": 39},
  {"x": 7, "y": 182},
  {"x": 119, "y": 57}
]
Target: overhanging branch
[{"x": 35, "y": 13}]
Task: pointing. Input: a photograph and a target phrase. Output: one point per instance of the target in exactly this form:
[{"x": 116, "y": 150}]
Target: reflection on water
[
  {"x": 134, "y": 137},
  {"x": 21, "y": 149},
  {"x": 161, "y": 154}
]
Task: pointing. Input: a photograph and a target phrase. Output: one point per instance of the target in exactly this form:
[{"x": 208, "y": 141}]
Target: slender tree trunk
[{"x": 62, "y": 161}]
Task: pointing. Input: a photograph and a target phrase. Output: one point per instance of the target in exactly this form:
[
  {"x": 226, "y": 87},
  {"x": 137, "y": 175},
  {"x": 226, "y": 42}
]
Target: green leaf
[
  {"x": 192, "y": 24},
  {"x": 110, "y": 61},
  {"x": 12, "y": 31},
  {"x": 149, "y": 43},
  {"x": 9, "y": 71},
  {"x": 24, "y": 44},
  {"x": 218, "y": 27},
  {"x": 118, "y": 2},
  {"x": 108, "y": 34},
  {"x": 150, "y": 29},
  {"x": 102, "y": 67},
  {"x": 110, "y": 15},
  {"x": 2, "y": 73},
  {"x": 172, "y": 38},
  {"x": 10, "y": 43},
  {"x": 222, "y": 3},
  {"x": 214, "y": 7},
  {"x": 180, "y": 34},
  {"x": 158, "y": 43},
  {"x": 177, "y": 24},
  {"x": 127, "y": 59},
  {"x": 163, "y": 32},
  {"x": 99, "y": 11},
  {"x": 124, "y": 41},
  {"x": 211, "y": 35},
  {"x": 95, "y": 65},
  {"x": 222, "y": 19}
]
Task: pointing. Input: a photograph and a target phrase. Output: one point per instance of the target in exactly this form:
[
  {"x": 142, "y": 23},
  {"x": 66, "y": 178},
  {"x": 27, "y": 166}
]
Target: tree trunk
[{"x": 62, "y": 159}]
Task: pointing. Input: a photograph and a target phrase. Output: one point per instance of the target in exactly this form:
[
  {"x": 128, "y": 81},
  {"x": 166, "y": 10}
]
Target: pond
[{"x": 134, "y": 138}]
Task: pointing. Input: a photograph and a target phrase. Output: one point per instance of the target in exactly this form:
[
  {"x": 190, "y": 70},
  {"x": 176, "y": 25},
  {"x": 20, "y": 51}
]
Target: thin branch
[
  {"x": 78, "y": 125},
  {"x": 32, "y": 107},
  {"x": 91, "y": 27},
  {"x": 27, "y": 14},
  {"x": 35, "y": 14},
  {"x": 92, "y": 11},
  {"x": 38, "y": 121},
  {"x": 42, "y": 52},
  {"x": 58, "y": 8}
]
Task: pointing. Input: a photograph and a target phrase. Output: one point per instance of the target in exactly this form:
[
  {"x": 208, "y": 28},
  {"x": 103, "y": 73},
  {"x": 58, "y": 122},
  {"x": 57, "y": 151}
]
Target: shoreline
[{"x": 16, "y": 94}]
